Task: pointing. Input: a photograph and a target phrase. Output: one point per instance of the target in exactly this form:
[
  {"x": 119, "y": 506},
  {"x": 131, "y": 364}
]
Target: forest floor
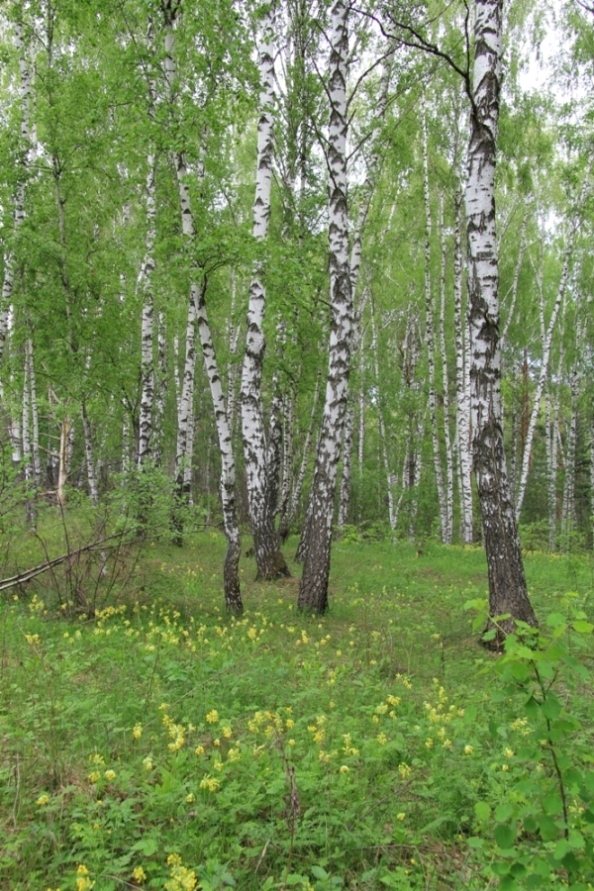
[{"x": 162, "y": 744}]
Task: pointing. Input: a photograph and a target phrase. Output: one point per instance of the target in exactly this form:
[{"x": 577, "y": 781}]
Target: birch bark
[
  {"x": 313, "y": 590},
  {"x": 449, "y": 460},
  {"x": 227, "y": 481},
  {"x": 269, "y": 559},
  {"x": 19, "y": 209},
  {"x": 507, "y": 584},
  {"x": 145, "y": 285},
  {"x": 463, "y": 428}
]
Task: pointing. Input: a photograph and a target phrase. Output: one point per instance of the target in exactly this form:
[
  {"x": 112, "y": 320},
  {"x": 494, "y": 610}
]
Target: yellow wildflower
[
  {"x": 137, "y": 731},
  {"x": 138, "y": 874},
  {"x": 400, "y": 816},
  {"x": 213, "y": 716},
  {"x": 43, "y": 800},
  {"x": 148, "y": 763},
  {"x": 110, "y": 775},
  {"x": 210, "y": 783}
]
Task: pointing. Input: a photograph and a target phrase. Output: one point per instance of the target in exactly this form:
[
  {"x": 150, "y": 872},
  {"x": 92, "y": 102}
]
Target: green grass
[{"x": 164, "y": 744}]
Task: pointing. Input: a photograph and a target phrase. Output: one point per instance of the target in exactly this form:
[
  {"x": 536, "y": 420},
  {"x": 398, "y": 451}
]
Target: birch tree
[
  {"x": 269, "y": 559},
  {"x": 313, "y": 589},
  {"x": 507, "y": 583}
]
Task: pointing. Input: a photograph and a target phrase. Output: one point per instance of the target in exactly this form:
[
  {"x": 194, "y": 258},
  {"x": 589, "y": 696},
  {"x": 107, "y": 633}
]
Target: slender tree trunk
[
  {"x": 463, "y": 429},
  {"x": 313, "y": 590},
  {"x": 145, "y": 284},
  {"x": 161, "y": 389},
  {"x": 449, "y": 460},
  {"x": 552, "y": 466},
  {"x": 227, "y": 483},
  {"x": 568, "y": 515},
  {"x": 24, "y": 161},
  {"x": 391, "y": 479},
  {"x": 429, "y": 340},
  {"x": 185, "y": 417},
  {"x": 269, "y": 559},
  {"x": 507, "y": 582},
  {"x": 288, "y": 416},
  {"x": 234, "y": 332},
  {"x": 347, "y": 462},
  {"x": 64, "y": 460},
  {"x": 91, "y": 470}
]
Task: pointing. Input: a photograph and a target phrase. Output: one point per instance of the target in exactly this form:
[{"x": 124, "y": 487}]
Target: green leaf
[
  {"x": 146, "y": 846},
  {"x": 505, "y": 835},
  {"x": 551, "y": 707},
  {"x": 562, "y": 848},
  {"x": 576, "y": 840},
  {"x": 319, "y": 872},
  {"x": 503, "y": 812},
  {"x": 583, "y": 627},
  {"x": 475, "y": 842},
  {"x": 547, "y": 828},
  {"x": 482, "y": 810},
  {"x": 552, "y": 804},
  {"x": 555, "y": 619}
]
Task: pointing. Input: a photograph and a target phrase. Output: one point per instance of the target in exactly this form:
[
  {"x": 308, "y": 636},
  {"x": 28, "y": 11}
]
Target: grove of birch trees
[{"x": 315, "y": 268}]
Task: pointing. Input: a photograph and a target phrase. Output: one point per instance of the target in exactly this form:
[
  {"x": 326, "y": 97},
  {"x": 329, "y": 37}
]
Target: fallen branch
[{"x": 29, "y": 574}]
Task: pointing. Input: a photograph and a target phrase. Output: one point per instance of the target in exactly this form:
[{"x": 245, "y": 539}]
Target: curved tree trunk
[
  {"x": 269, "y": 559},
  {"x": 313, "y": 590},
  {"x": 507, "y": 582}
]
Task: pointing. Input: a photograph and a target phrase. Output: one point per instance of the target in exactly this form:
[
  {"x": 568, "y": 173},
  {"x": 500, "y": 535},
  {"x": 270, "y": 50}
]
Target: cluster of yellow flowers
[
  {"x": 182, "y": 878},
  {"x": 317, "y": 729},
  {"x": 212, "y": 784},
  {"x": 442, "y": 714},
  {"x": 83, "y": 882},
  {"x": 177, "y": 732}
]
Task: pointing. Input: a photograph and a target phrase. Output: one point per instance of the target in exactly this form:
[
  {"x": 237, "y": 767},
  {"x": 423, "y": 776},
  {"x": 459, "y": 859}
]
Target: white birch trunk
[
  {"x": 234, "y": 332},
  {"x": 449, "y": 460},
  {"x": 35, "y": 451},
  {"x": 64, "y": 460},
  {"x": 227, "y": 482},
  {"x": 313, "y": 590},
  {"x": 185, "y": 417},
  {"x": 89, "y": 459},
  {"x": 269, "y": 559},
  {"x": 145, "y": 283},
  {"x": 463, "y": 428},
  {"x": 19, "y": 209},
  {"x": 507, "y": 583},
  {"x": 161, "y": 389}
]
